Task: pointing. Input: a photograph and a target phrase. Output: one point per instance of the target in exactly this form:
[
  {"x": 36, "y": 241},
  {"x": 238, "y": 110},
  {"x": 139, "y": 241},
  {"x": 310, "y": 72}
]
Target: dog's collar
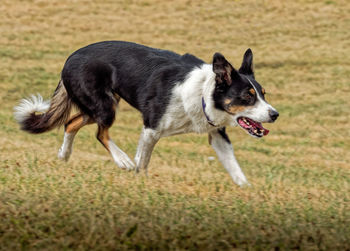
[{"x": 210, "y": 122}]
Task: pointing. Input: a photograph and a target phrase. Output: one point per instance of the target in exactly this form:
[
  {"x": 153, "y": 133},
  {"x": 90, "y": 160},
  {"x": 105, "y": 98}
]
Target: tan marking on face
[
  {"x": 252, "y": 91},
  {"x": 227, "y": 101},
  {"x": 263, "y": 91},
  {"x": 235, "y": 109},
  {"x": 117, "y": 97}
]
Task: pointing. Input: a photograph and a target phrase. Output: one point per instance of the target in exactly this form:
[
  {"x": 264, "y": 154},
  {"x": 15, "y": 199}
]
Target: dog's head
[{"x": 241, "y": 96}]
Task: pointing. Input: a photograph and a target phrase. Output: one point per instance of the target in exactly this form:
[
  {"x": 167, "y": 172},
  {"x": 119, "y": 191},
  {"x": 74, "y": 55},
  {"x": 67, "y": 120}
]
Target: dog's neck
[
  {"x": 210, "y": 122},
  {"x": 213, "y": 116}
]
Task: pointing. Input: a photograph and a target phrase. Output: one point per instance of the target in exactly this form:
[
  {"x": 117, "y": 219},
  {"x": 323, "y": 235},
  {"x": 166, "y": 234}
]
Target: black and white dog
[{"x": 175, "y": 94}]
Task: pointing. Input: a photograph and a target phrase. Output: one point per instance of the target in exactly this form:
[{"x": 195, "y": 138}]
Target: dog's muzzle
[{"x": 273, "y": 115}]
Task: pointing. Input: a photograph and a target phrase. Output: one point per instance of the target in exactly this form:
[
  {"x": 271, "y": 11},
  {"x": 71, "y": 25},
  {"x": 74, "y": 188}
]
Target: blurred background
[{"x": 299, "y": 174}]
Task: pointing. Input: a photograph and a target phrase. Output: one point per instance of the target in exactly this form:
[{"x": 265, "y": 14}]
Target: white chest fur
[{"x": 184, "y": 113}]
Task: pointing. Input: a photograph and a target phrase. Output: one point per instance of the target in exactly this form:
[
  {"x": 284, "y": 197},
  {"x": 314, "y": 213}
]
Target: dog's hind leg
[
  {"x": 148, "y": 140},
  {"x": 92, "y": 91},
  {"x": 71, "y": 129},
  {"x": 120, "y": 158}
]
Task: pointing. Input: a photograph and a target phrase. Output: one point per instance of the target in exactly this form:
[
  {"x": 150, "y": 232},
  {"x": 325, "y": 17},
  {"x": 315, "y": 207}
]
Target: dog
[{"x": 175, "y": 94}]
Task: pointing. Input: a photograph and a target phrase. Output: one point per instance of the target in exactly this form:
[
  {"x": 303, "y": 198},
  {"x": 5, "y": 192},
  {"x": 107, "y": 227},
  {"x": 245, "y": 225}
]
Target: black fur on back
[{"x": 143, "y": 76}]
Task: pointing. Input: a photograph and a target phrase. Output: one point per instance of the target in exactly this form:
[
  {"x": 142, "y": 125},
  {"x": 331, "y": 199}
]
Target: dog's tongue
[
  {"x": 266, "y": 132},
  {"x": 259, "y": 125},
  {"x": 252, "y": 127}
]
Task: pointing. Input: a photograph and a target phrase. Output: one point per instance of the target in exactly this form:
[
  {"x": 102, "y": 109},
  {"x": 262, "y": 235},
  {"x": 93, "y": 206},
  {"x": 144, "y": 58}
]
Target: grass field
[{"x": 300, "y": 172}]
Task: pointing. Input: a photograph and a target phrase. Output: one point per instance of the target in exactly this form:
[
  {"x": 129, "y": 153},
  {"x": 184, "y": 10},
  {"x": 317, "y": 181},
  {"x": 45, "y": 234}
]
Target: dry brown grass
[{"x": 300, "y": 172}]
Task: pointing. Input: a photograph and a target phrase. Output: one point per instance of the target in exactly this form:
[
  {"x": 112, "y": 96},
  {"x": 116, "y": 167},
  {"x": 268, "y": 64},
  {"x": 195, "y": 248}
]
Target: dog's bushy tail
[{"x": 35, "y": 115}]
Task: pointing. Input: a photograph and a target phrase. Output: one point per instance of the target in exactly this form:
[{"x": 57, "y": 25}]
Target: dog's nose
[{"x": 273, "y": 115}]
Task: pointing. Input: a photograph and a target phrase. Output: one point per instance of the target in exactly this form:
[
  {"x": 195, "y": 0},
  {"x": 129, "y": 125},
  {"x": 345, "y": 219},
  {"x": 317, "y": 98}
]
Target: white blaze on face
[{"x": 260, "y": 111}]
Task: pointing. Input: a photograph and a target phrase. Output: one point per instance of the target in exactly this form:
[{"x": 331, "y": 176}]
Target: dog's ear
[
  {"x": 247, "y": 63},
  {"x": 223, "y": 69}
]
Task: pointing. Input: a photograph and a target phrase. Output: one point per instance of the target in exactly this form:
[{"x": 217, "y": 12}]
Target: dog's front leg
[
  {"x": 223, "y": 148},
  {"x": 148, "y": 140}
]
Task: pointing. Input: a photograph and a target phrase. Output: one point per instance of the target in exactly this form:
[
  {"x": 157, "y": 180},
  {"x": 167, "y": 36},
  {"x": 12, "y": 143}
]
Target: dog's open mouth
[{"x": 252, "y": 127}]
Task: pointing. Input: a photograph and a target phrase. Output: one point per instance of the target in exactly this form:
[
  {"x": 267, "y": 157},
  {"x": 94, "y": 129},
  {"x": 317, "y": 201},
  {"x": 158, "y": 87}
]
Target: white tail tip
[{"x": 35, "y": 103}]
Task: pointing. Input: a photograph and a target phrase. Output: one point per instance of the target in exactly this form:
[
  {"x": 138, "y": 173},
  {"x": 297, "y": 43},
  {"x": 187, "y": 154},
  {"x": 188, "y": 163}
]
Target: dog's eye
[{"x": 248, "y": 97}]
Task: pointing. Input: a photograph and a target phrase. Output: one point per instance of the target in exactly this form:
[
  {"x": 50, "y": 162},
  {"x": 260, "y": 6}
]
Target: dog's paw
[
  {"x": 247, "y": 184},
  {"x": 124, "y": 162},
  {"x": 241, "y": 181},
  {"x": 63, "y": 154},
  {"x": 138, "y": 169}
]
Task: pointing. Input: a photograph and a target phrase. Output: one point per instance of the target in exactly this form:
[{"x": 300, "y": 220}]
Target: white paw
[
  {"x": 64, "y": 154},
  {"x": 123, "y": 161},
  {"x": 241, "y": 180},
  {"x": 120, "y": 158},
  {"x": 246, "y": 184}
]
